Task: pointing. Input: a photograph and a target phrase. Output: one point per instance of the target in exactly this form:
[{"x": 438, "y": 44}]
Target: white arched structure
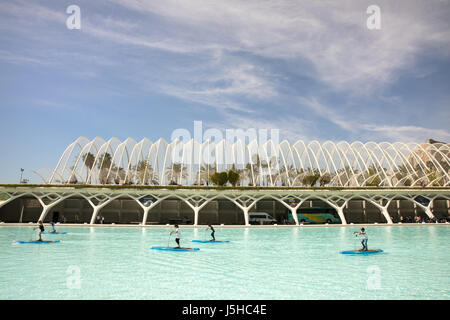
[
  {"x": 339, "y": 164},
  {"x": 291, "y": 198}
]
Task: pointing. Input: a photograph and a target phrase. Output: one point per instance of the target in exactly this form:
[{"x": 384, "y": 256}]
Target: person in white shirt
[
  {"x": 364, "y": 238},
  {"x": 177, "y": 231}
]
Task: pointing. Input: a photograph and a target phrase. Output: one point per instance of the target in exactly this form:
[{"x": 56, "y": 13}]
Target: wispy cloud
[
  {"x": 331, "y": 35},
  {"x": 227, "y": 55},
  {"x": 375, "y": 129}
]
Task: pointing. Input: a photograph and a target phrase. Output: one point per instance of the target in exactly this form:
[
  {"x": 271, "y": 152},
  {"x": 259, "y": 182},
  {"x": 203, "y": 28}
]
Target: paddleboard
[
  {"x": 174, "y": 249},
  {"x": 362, "y": 252},
  {"x": 39, "y": 242},
  {"x": 54, "y": 232},
  {"x": 209, "y": 241}
]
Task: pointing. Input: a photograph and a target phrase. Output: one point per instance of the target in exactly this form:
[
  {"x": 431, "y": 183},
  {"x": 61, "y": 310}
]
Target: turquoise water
[{"x": 283, "y": 263}]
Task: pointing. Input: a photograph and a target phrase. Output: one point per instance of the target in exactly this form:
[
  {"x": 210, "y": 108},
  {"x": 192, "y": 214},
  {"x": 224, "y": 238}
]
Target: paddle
[{"x": 170, "y": 236}]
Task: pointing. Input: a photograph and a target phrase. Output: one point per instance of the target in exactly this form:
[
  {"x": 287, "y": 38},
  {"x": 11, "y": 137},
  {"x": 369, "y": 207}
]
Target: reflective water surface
[{"x": 273, "y": 263}]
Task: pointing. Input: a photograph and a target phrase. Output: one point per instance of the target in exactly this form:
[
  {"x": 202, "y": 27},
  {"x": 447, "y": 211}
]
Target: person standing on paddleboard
[
  {"x": 212, "y": 232},
  {"x": 178, "y": 235},
  {"x": 364, "y": 239},
  {"x": 41, "y": 228},
  {"x": 53, "y": 226}
]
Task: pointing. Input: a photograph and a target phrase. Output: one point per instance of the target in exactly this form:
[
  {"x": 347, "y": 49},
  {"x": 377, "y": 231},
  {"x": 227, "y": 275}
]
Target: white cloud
[
  {"x": 406, "y": 133},
  {"x": 230, "y": 40},
  {"x": 330, "y": 35},
  {"x": 375, "y": 130}
]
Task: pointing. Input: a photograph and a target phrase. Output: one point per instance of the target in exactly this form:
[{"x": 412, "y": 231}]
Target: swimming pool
[{"x": 258, "y": 263}]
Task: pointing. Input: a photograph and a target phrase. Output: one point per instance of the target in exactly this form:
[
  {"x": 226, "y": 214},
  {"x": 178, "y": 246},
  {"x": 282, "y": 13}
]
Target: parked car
[{"x": 261, "y": 218}]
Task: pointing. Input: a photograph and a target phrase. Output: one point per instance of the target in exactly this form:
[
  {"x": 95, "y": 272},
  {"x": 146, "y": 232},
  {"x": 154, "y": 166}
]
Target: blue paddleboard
[
  {"x": 174, "y": 249},
  {"x": 39, "y": 242},
  {"x": 362, "y": 252},
  {"x": 54, "y": 232},
  {"x": 209, "y": 241}
]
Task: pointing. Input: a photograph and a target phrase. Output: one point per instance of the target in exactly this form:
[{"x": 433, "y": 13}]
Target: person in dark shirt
[
  {"x": 41, "y": 228},
  {"x": 212, "y": 232}
]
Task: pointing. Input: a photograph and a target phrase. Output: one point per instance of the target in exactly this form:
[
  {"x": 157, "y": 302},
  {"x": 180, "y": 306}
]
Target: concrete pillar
[
  {"x": 196, "y": 210},
  {"x": 45, "y": 210},
  {"x": 144, "y": 218},
  {"x": 429, "y": 213},
  {"x": 340, "y": 212},
  {"x": 246, "y": 218},
  {"x": 386, "y": 215},
  {"x": 21, "y": 211},
  {"x": 294, "y": 215},
  {"x": 94, "y": 214}
]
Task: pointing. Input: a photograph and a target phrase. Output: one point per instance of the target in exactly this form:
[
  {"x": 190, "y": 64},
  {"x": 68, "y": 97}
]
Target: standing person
[
  {"x": 103, "y": 219},
  {"x": 178, "y": 235},
  {"x": 212, "y": 232},
  {"x": 41, "y": 228},
  {"x": 53, "y": 226},
  {"x": 364, "y": 239}
]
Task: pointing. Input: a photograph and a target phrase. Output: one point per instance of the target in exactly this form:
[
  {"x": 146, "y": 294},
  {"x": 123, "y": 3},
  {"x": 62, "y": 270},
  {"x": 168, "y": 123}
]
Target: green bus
[{"x": 316, "y": 215}]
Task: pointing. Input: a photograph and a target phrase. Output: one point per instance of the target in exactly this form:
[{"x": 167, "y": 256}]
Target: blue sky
[{"x": 311, "y": 69}]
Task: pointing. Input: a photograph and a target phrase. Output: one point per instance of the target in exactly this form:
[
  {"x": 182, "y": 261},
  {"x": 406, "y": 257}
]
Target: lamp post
[{"x": 21, "y": 173}]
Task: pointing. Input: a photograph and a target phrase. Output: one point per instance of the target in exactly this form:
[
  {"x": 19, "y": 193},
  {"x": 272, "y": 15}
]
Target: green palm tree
[
  {"x": 88, "y": 160},
  {"x": 176, "y": 173},
  {"x": 286, "y": 173},
  {"x": 203, "y": 175},
  {"x": 144, "y": 172},
  {"x": 103, "y": 165},
  {"x": 325, "y": 179},
  {"x": 117, "y": 174}
]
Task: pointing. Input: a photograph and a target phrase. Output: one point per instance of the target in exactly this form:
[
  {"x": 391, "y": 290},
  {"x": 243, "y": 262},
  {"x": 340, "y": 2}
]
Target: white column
[
  {"x": 385, "y": 213},
  {"x": 99, "y": 207},
  {"x": 45, "y": 210},
  {"x": 294, "y": 214},
  {"x": 21, "y": 213},
  {"x": 427, "y": 208},
  {"x": 196, "y": 210},
  {"x": 94, "y": 214},
  {"x": 245, "y": 209},
  {"x": 340, "y": 212},
  {"x": 144, "y": 218},
  {"x": 428, "y": 212}
]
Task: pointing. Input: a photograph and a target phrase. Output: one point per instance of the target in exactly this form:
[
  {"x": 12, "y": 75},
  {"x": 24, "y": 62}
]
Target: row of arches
[
  {"x": 98, "y": 161},
  {"x": 92, "y": 205}
]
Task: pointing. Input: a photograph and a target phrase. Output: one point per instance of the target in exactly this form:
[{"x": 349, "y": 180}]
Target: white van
[{"x": 260, "y": 218}]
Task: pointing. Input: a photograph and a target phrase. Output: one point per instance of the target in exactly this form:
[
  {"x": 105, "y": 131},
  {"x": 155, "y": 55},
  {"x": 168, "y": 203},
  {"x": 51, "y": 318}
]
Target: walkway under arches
[{"x": 352, "y": 205}]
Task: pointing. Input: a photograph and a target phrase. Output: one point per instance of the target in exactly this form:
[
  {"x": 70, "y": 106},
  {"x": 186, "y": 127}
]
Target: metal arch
[
  {"x": 71, "y": 146},
  {"x": 366, "y": 146},
  {"x": 398, "y": 151},
  {"x": 348, "y": 147},
  {"x": 333, "y": 145},
  {"x": 323, "y": 157}
]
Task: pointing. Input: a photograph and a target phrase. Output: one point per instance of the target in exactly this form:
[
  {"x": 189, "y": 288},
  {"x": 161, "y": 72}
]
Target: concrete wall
[{"x": 354, "y": 212}]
